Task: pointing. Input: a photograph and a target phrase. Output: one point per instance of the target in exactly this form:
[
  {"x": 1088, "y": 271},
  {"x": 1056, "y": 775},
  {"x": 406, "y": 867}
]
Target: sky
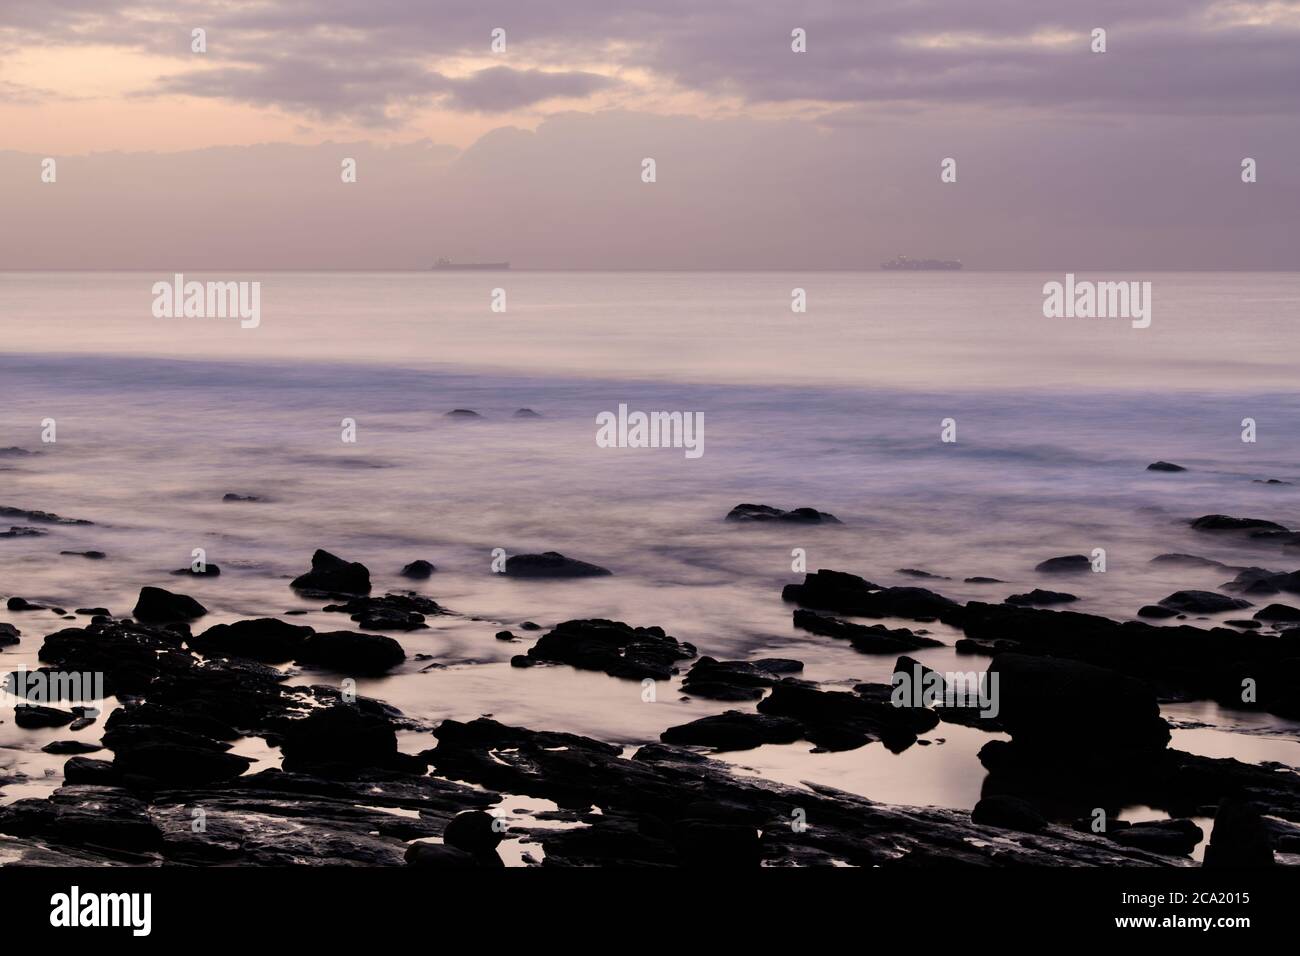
[{"x": 519, "y": 130}]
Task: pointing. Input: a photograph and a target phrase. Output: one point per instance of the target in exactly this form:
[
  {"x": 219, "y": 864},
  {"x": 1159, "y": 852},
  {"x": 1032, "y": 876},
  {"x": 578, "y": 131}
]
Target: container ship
[
  {"x": 448, "y": 264},
  {"x": 903, "y": 262}
]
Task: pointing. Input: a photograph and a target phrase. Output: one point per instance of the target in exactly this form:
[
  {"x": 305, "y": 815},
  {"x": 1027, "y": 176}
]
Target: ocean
[{"x": 840, "y": 408}]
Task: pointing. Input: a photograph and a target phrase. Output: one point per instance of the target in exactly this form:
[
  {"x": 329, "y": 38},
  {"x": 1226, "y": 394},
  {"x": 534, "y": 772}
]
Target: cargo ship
[
  {"x": 448, "y": 264},
  {"x": 903, "y": 262}
]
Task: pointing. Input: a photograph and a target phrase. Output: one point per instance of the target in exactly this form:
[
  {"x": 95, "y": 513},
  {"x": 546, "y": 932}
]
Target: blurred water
[{"x": 839, "y": 409}]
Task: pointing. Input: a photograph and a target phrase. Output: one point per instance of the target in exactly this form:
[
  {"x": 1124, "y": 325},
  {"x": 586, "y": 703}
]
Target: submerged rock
[
  {"x": 158, "y": 606},
  {"x": 551, "y": 564},
  {"x": 837, "y": 720},
  {"x": 852, "y": 595},
  {"x": 870, "y": 639},
  {"x": 209, "y": 571},
  {"x": 231, "y": 496},
  {"x": 264, "y": 639},
  {"x": 392, "y": 612},
  {"x": 525, "y": 413},
  {"x": 44, "y": 517},
  {"x": 418, "y": 570},
  {"x": 33, "y": 716},
  {"x": 1066, "y": 564},
  {"x": 1202, "y": 602},
  {"x": 735, "y": 680},
  {"x": 465, "y": 414},
  {"x": 735, "y": 731},
  {"x": 332, "y": 575},
  {"x": 1278, "y": 612},
  {"x": 92, "y": 555},
  {"x": 1229, "y": 523},
  {"x": 748, "y": 512},
  {"x": 1164, "y": 466},
  {"x": 1039, "y": 596},
  {"x": 610, "y": 646},
  {"x": 350, "y": 652}
]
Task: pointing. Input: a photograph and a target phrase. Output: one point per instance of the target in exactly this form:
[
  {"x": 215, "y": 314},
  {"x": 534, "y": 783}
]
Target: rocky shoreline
[{"x": 159, "y": 779}]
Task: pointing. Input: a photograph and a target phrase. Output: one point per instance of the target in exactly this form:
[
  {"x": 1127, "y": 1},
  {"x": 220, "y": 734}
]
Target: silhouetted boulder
[
  {"x": 331, "y": 574},
  {"x": 157, "y": 606}
]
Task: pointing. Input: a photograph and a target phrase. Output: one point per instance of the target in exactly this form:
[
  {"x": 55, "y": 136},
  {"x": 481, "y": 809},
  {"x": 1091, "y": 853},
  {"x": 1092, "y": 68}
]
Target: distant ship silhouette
[
  {"x": 902, "y": 262},
  {"x": 445, "y": 263}
]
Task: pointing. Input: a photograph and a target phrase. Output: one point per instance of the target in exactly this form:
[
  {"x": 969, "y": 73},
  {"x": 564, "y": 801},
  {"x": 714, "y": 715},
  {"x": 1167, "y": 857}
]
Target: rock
[
  {"x": 392, "y": 612},
  {"x": 979, "y": 579},
  {"x": 337, "y": 737},
  {"x": 1240, "y": 838},
  {"x": 1175, "y": 837},
  {"x": 1202, "y": 602},
  {"x": 157, "y": 606},
  {"x": 1271, "y": 481},
  {"x": 94, "y": 611},
  {"x": 33, "y": 716},
  {"x": 473, "y": 831},
  {"x": 1248, "y": 625},
  {"x": 18, "y": 531},
  {"x": 1055, "y": 704},
  {"x": 92, "y": 555},
  {"x": 332, "y": 575},
  {"x": 350, "y": 652},
  {"x": 103, "y": 817},
  {"x": 209, "y": 571},
  {"x": 551, "y": 564},
  {"x": 1228, "y": 523},
  {"x": 530, "y": 626},
  {"x": 1156, "y": 611},
  {"x": 44, "y": 517},
  {"x": 835, "y": 720},
  {"x": 1187, "y": 561},
  {"x": 918, "y": 573},
  {"x": 873, "y": 639},
  {"x": 1278, "y": 612},
  {"x": 8, "y": 635},
  {"x": 262, "y": 639},
  {"x": 613, "y": 647},
  {"x": 747, "y": 512},
  {"x": 526, "y": 413},
  {"x": 735, "y": 680},
  {"x": 735, "y": 731},
  {"x": 22, "y": 604},
  {"x": 418, "y": 570},
  {"x": 1039, "y": 596},
  {"x": 231, "y": 496},
  {"x": 1008, "y": 813},
  {"x": 70, "y": 747},
  {"x": 852, "y": 595},
  {"x": 13, "y": 451},
  {"x": 1262, "y": 581},
  {"x": 439, "y": 856},
  {"x": 464, "y": 414},
  {"x": 178, "y": 765},
  {"x": 1164, "y": 466},
  {"x": 1067, "y": 564}
]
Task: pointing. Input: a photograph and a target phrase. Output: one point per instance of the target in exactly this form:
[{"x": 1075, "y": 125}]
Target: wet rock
[
  {"x": 980, "y": 579},
  {"x": 1248, "y": 625},
  {"x": 392, "y": 612},
  {"x": 70, "y": 747},
  {"x": 101, "y": 817},
  {"x": 1008, "y": 813},
  {"x": 332, "y": 575},
  {"x": 473, "y": 831},
  {"x": 350, "y": 652},
  {"x": 748, "y": 512},
  {"x": 464, "y": 414},
  {"x": 209, "y": 571},
  {"x": 169, "y": 764},
  {"x": 1202, "y": 602},
  {"x": 1278, "y": 612},
  {"x": 525, "y": 413},
  {"x": 1240, "y": 839},
  {"x": 418, "y": 570},
  {"x": 22, "y": 604},
  {"x": 339, "y": 737},
  {"x": 8, "y": 635},
  {"x": 1229, "y": 523},
  {"x": 1187, "y": 561},
  {"x": 92, "y": 555},
  {"x": 735, "y": 731},
  {"x": 33, "y": 716},
  {"x": 1164, "y": 466},
  {"x": 231, "y": 496},
  {"x": 530, "y": 626},
  {"x": 1175, "y": 837},
  {"x": 505, "y": 636},
  {"x": 735, "y": 680},
  {"x": 1155, "y": 611},
  {"x": 1271, "y": 481},
  {"x": 610, "y": 646},
  {"x": 918, "y": 573},
  {"x": 264, "y": 639},
  {"x": 852, "y": 595},
  {"x": 1066, "y": 564},
  {"x": 19, "y": 531},
  {"x": 440, "y": 857},
  {"x": 870, "y": 639},
  {"x": 94, "y": 611},
  {"x": 158, "y": 606},
  {"x": 836, "y": 720},
  {"x": 1041, "y": 597},
  {"x": 551, "y": 564},
  {"x": 44, "y": 517}
]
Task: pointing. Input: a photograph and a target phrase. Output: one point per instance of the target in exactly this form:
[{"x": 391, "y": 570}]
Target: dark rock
[
  {"x": 1278, "y": 612},
  {"x": 462, "y": 413},
  {"x": 613, "y": 647},
  {"x": 852, "y": 595},
  {"x": 979, "y": 579},
  {"x": 209, "y": 571},
  {"x": 1248, "y": 625},
  {"x": 332, "y": 575},
  {"x": 418, "y": 570},
  {"x": 350, "y": 652},
  {"x": 504, "y": 636},
  {"x": 735, "y": 731},
  {"x": 44, "y": 517},
  {"x": 1067, "y": 564},
  {"x": 94, "y": 611},
  {"x": 530, "y": 626},
  {"x": 1008, "y": 813},
  {"x": 835, "y": 720},
  {"x": 1240, "y": 838},
  {"x": 8, "y": 635},
  {"x": 231, "y": 496},
  {"x": 1164, "y": 466},
  {"x": 870, "y": 639},
  {"x": 392, "y": 612},
  {"x": 157, "y": 606},
  {"x": 747, "y": 512},
  {"x": 918, "y": 573},
  {"x": 178, "y": 765},
  {"x": 1174, "y": 837},
  {"x": 1202, "y": 602},
  {"x": 87, "y": 770},
  {"x": 22, "y": 604},
  {"x": 1039, "y": 596},
  {"x": 1229, "y": 523},
  {"x": 439, "y": 856},
  {"x": 33, "y": 716},
  {"x": 1156, "y": 611},
  {"x": 92, "y": 555},
  {"x": 1187, "y": 561},
  {"x": 262, "y": 639},
  {"x": 526, "y": 413},
  {"x": 551, "y": 564},
  {"x": 735, "y": 680},
  {"x": 473, "y": 831},
  {"x": 341, "y": 736},
  {"x": 103, "y": 817},
  {"x": 18, "y": 531}
]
